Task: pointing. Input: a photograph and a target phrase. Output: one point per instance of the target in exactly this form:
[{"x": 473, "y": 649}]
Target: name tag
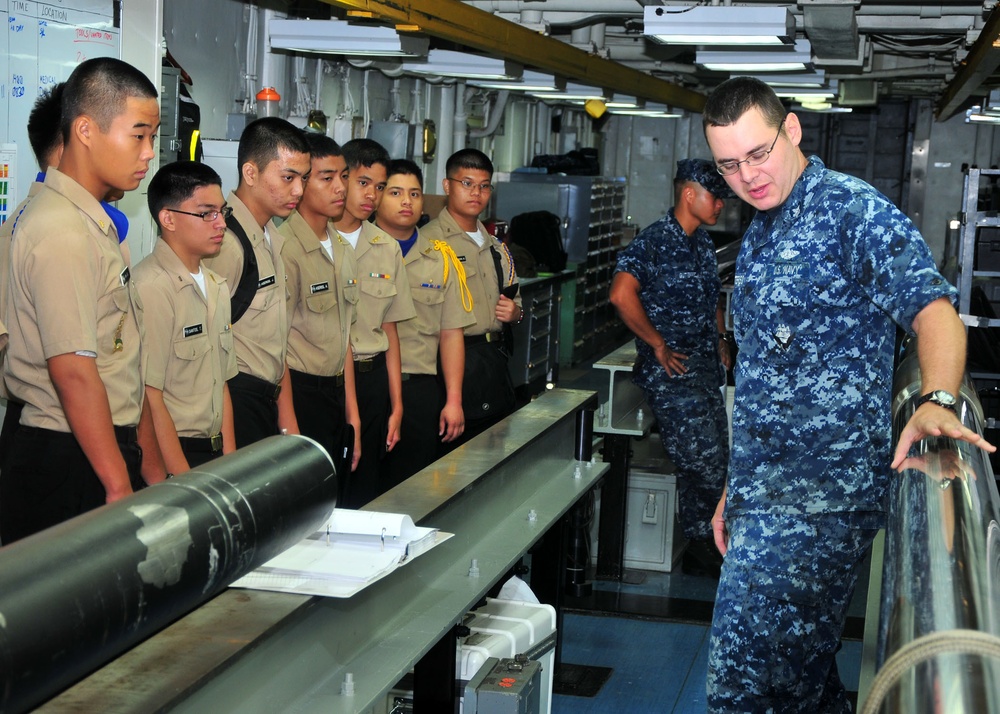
[
  {"x": 318, "y": 288},
  {"x": 124, "y": 276},
  {"x": 264, "y": 282},
  {"x": 192, "y": 330},
  {"x": 791, "y": 271}
]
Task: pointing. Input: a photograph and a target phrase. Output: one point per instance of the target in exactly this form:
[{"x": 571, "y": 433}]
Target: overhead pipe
[
  {"x": 461, "y": 127},
  {"x": 78, "y": 594},
  {"x": 496, "y": 115},
  {"x": 939, "y": 625}
]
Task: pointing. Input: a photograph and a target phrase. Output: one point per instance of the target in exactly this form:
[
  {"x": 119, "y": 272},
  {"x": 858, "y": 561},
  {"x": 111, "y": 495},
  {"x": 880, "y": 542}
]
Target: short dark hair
[
  {"x": 321, "y": 146},
  {"x": 738, "y": 95},
  {"x": 175, "y": 183},
  {"x": 468, "y": 159},
  {"x": 43, "y": 124},
  {"x": 263, "y": 138},
  {"x": 406, "y": 168},
  {"x": 99, "y": 87},
  {"x": 365, "y": 152}
]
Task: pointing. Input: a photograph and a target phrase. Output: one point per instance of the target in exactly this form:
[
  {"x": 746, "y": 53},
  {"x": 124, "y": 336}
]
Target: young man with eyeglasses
[
  {"x": 188, "y": 338},
  {"x": 85, "y": 435},
  {"x": 322, "y": 302},
  {"x": 384, "y": 299},
  {"x": 827, "y": 270},
  {"x": 666, "y": 289},
  {"x": 431, "y": 414},
  {"x": 487, "y": 394},
  {"x": 274, "y": 165}
]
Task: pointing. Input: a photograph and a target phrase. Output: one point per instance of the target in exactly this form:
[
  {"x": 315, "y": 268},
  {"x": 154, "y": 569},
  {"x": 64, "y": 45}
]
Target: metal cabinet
[
  {"x": 591, "y": 211},
  {"x": 536, "y": 339}
]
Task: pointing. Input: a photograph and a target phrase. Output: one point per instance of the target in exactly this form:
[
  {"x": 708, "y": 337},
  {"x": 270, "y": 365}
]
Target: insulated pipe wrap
[{"x": 80, "y": 593}]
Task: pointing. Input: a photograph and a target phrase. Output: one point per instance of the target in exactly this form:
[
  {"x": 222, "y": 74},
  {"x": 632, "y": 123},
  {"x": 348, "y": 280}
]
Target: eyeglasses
[
  {"x": 471, "y": 186},
  {"x": 728, "y": 168},
  {"x": 207, "y": 216}
]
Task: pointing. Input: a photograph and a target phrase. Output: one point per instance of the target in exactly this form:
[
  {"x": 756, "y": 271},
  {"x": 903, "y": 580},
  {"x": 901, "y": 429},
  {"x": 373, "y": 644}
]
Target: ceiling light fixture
[
  {"x": 650, "y": 109},
  {"x": 342, "y": 38},
  {"x": 530, "y": 81},
  {"x": 775, "y": 59},
  {"x": 448, "y": 63},
  {"x": 572, "y": 91},
  {"x": 816, "y": 78},
  {"x": 719, "y": 25}
]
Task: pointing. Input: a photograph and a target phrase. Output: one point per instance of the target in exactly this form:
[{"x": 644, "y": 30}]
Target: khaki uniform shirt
[
  {"x": 6, "y": 235},
  {"x": 438, "y": 304},
  {"x": 70, "y": 291},
  {"x": 385, "y": 292},
  {"x": 322, "y": 298},
  {"x": 262, "y": 333},
  {"x": 188, "y": 341},
  {"x": 480, "y": 270}
]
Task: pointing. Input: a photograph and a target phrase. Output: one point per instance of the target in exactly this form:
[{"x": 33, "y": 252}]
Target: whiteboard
[{"x": 41, "y": 45}]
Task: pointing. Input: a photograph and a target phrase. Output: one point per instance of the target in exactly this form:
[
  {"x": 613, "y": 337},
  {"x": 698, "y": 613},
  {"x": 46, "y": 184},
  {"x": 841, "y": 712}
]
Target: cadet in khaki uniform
[
  {"x": 322, "y": 294},
  {"x": 274, "y": 165},
  {"x": 188, "y": 339},
  {"x": 47, "y": 145},
  {"x": 384, "y": 300},
  {"x": 443, "y": 307},
  {"x": 74, "y": 358},
  {"x": 487, "y": 392}
]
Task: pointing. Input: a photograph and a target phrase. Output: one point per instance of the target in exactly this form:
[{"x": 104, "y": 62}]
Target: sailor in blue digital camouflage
[
  {"x": 667, "y": 290},
  {"x": 827, "y": 270}
]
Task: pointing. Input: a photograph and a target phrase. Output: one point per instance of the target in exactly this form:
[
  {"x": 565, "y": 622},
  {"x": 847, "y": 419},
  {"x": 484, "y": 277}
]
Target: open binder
[{"x": 353, "y": 550}]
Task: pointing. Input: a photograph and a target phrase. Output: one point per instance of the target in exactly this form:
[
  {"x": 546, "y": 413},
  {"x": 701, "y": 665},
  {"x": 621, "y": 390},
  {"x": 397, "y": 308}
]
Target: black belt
[
  {"x": 485, "y": 337},
  {"x": 407, "y": 376},
  {"x": 203, "y": 444},
  {"x": 261, "y": 387},
  {"x": 317, "y": 381},
  {"x": 126, "y": 434},
  {"x": 369, "y": 364}
]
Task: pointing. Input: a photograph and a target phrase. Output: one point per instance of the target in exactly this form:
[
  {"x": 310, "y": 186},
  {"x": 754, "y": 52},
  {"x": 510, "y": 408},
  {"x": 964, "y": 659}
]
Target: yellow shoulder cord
[{"x": 450, "y": 257}]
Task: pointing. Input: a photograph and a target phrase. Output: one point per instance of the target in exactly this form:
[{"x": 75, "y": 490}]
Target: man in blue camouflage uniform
[
  {"x": 827, "y": 270},
  {"x": 666, "y": 289}
]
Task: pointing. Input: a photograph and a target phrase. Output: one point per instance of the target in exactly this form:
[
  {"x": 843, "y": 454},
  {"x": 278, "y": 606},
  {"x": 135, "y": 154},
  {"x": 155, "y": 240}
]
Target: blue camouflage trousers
[
  {"x": 779, "y": 614},
  {"x": 695, "y": 434}
]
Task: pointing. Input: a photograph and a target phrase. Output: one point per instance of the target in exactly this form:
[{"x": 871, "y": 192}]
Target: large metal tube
[
  {"x": 939, "y": 626},
  {"x": 76, "y": 595}
]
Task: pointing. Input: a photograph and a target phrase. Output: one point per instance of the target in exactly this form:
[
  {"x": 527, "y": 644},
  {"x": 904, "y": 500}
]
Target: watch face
[{"x": 942, "y": 397}]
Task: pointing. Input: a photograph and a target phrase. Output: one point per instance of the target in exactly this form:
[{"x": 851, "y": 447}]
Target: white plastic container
[{"x": 503, "y": 628}]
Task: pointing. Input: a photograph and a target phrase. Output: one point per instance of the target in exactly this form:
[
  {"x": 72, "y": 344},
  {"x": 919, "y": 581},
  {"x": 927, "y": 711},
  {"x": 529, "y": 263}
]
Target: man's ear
[
  {"x": 84, "y": 128},
  {"x": 249, "y": 173},
  {"x": 793, "y": 127},
  {"x": 167, "y": 224}
]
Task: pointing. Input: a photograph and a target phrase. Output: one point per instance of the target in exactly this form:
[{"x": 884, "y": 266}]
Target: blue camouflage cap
[{"x": 703, "y": 171}]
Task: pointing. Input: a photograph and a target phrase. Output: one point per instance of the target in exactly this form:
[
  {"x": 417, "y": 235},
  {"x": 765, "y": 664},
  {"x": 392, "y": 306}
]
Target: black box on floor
[{"x": 988, "y": 249}]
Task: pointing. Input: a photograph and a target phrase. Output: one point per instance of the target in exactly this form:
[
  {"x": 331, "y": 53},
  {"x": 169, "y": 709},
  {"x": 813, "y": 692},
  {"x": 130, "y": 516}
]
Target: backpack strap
[{"x": 247, "y": 287}]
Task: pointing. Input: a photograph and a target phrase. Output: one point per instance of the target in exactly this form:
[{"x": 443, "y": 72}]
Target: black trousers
[
  {"x": 255, "y": 409},
  {"x": 371, "y": 381},
  {"x": 423, "y": 400},
  {"x": 48, "y": 480},
  {"x": 319, "y": 409}
]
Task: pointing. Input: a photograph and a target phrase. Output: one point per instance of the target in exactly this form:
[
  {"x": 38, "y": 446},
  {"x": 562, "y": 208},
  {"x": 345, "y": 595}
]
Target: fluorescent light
[
  {"x": 816, "y": 78},
  {"x": 777, "y": 59},
  {"x": 808, "y": 94},
  {"x": 650, "y": 109},
  {"x": 342, "y": 38},
  {"x": 572, "y": 91},
  {"x": 719, "y": 25},
  {"x": 448, "y": 63},
  {"x": 621, "y": 101},
  {"x": 975, "y": 114},
  {"x": 531, "y": 81}
]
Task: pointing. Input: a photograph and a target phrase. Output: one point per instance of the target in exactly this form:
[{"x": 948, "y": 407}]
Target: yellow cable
[{"x": 449, "y": 256}]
